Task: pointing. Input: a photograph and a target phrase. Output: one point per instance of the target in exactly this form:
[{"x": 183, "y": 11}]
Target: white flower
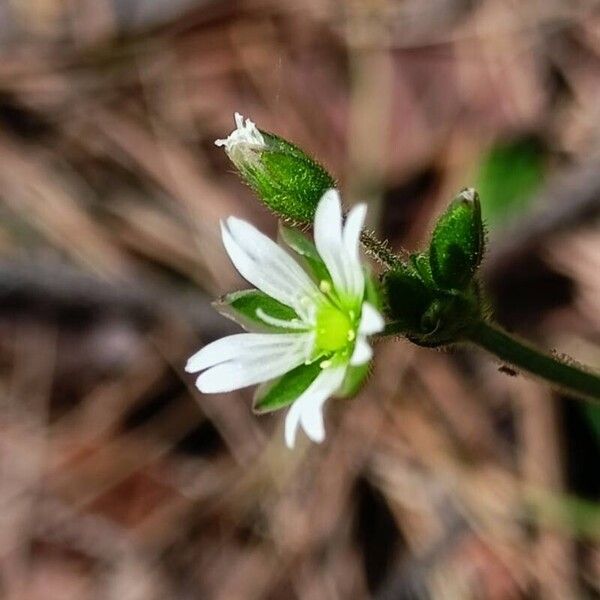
[
  {"x": 317, "y": 320},
  {"x": 243, "y": 140}
]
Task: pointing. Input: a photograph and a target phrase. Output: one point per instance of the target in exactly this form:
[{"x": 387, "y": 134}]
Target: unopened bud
[
  {"x": 287, "y": 180},
  {"x": 457, "y": 243}
]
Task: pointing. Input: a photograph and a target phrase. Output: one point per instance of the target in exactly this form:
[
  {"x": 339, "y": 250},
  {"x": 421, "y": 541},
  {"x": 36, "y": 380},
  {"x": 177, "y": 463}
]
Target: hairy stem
[
  {"x": 570, "y": 379},
  {"x": 378, "y": 249}
]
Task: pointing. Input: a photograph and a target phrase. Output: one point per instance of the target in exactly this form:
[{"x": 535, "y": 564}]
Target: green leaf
[
  {"x": 284, "y": 390},
  {"x": 508, "y": 176},
  {"x": 243, "y": 308},
  {"x": 456, "y": 247},
  {"x": 353, "y": 380},
  {"x": 286, "y": 179},
  {"x": 300, "y": 244}
]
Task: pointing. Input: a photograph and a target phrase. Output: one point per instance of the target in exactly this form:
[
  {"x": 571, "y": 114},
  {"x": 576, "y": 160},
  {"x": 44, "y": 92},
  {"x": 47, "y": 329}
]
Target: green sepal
[
  {"x": 282, "y": 391},
  {"x": 457, "y": 242},
  {"x": 407, "y": 298},
  {"x": 300, "y": 244},
  {"x": 287, "y": 180},
  {"x": 420, "y": 262},
  {"x": 353, "y": 380},
  {"x": 242, "y": 308},
  {"x": 427, "y": 316}
]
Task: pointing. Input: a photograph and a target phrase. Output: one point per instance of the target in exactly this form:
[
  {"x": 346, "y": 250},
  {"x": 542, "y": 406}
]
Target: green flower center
[{"x": 334, "y": 329}]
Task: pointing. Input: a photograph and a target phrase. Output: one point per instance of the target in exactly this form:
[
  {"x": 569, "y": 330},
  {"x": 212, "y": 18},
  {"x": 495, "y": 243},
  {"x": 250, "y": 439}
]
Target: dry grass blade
[{"x": 445, "y": 478}]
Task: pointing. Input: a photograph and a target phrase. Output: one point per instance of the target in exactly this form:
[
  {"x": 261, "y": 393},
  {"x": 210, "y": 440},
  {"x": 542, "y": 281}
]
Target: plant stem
[
  {"x": 565, "y": 377},
  {"x": 378, "y": 249}
]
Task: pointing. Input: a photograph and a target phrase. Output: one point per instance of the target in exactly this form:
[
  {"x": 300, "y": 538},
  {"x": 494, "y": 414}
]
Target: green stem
[
  {"x": 567, "y": 378},
  {"x": 378, "y": 249}
]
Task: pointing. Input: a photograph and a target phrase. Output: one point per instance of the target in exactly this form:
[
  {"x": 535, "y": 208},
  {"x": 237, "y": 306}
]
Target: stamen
[
  {"x": 325, "y": 286},
  {"x": 269, "y": 320}
]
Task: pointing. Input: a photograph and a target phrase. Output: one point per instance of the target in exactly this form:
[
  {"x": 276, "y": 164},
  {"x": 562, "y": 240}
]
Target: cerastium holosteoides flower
[
  {"x": 307, "y": 321},
  {"x": 315, "y": 305}
]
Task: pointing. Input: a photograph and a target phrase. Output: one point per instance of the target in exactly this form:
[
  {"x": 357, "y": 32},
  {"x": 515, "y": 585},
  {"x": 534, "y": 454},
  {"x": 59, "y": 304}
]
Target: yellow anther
[{"x": 325, "y": 286}]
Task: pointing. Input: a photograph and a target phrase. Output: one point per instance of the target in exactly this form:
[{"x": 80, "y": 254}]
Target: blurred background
[{"x": 448, "y": 477}]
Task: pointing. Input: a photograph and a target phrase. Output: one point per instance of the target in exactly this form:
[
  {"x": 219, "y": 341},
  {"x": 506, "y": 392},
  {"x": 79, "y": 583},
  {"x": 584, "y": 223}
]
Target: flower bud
[
  {"x": 434, "y": 296},
  {"x": 427, "y": 316},
  {"x": 457, "y": 243},
  {"x": 287, "y": 180}
]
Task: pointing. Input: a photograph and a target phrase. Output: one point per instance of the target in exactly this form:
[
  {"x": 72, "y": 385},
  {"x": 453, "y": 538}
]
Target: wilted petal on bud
[{"x": 286, "y": 179}]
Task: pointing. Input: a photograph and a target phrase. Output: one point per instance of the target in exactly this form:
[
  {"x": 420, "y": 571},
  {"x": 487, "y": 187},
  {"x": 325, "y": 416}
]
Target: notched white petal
[
  {"x": 339, "y": 246},
  {"x": 328, "y": 236},
  {"x": 312, "y": 422},
  {"x": 351, "y": 255},
  {"x": 263, "y": 366},
  {"x": 256, "y": 274},
  {"x": 362, "y": 352},
  {"x": 268, "y": 254},
  {"x": 371, "y": 320},
  {"x": 267, "y": 266},
  {"x": 352, "y": 228},
  {"x": 292, "y": 420},
  {"x": 238, "y": 346},
  {"x": 307, "y": 410}
]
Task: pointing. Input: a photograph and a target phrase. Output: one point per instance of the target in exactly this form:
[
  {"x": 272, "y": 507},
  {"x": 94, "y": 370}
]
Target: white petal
[
  {"x": 292, "y": 420},
  {"x": 247, "y": 135},
  {"x": 362, "y": 352},
  {"x": 311, "y": 419},
  {"x": 266, "y": 252},
  {"x": 238, "y": 346},
  {"x": 239, "y": 373},
  {"x": 371, "y": 320},
  {"x": 272, "y": 281},
  {"x": 328, "y": 236},
  {"x": 307, "y": 410},
  {"x": 353, "y": 227},
  {"x": 351, "y": 238}
]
